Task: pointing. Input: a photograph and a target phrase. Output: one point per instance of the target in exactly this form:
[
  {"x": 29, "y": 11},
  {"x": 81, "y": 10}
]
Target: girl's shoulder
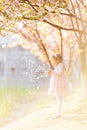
[{"x": 60, "y": 64}]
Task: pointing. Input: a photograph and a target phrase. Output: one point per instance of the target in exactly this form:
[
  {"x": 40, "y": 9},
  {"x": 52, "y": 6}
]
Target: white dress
[{"x": 58, "y": 82}]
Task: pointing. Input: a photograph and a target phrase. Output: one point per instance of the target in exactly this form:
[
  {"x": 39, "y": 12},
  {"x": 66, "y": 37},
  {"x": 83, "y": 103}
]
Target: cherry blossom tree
[{"x": 50, "y": 27}]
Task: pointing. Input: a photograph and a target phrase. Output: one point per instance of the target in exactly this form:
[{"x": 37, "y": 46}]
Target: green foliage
[{"x": 11, "y": 97}]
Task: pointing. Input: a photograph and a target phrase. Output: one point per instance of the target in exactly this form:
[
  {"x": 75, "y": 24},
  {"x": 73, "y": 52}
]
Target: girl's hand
[{"x": 48, "y": 72}]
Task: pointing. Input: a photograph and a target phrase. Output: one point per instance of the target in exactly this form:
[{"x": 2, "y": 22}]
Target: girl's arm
[{"x": 49, "y": 72}]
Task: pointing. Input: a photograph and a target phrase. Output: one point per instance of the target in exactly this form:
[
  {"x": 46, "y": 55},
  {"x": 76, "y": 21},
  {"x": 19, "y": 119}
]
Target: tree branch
[
  {"x": 63, "y": 28},
  {"x": 61, "y": 42},
  {"x": 32, "y": 6},
  {"x": 45, "y": 50},
  {"x": 81, "y": 1},
  {"x": 56, "y": 26},
  {"x": 73, "y": 25},
  {"x": 74, "y": 16}
]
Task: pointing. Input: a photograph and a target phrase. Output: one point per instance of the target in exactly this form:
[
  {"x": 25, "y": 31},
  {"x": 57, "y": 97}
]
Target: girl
[{"x": 58, "y": 83}]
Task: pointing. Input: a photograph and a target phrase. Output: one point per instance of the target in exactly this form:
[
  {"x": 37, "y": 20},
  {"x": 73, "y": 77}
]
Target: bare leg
[{"x": 58, "y": 105}]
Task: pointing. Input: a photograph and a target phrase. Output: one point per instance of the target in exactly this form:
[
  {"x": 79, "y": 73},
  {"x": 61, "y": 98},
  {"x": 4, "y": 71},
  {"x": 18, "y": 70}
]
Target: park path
[{"x": 74, "y": 117}]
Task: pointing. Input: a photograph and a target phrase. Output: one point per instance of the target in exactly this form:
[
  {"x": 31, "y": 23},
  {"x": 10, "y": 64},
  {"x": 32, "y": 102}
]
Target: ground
[{"x": 37, "y": 115}]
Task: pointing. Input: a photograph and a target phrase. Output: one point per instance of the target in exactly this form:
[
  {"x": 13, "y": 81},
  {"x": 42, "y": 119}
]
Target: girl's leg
[{"x": 58, "y": 105}]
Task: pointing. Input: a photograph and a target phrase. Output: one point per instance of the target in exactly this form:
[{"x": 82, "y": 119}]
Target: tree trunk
[{"x": 83, "y": 73}]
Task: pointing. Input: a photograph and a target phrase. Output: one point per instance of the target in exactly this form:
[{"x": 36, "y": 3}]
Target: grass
[
  {"x": 11, "y": 97},
  {"x": 72, "y": 118},
  {"x": 73, "y": 112},
  {"x": 21, "y": 99},
  {"x": 43, "y": 103}
]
